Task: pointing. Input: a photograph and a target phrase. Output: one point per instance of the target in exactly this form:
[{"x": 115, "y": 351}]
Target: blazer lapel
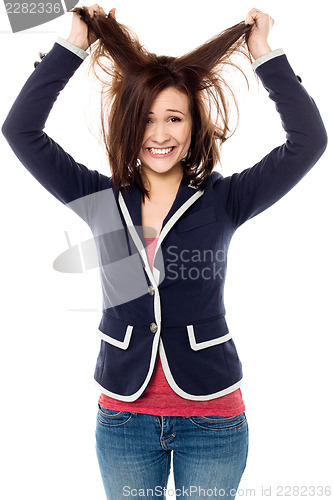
[{"x": 131, "y": 209}]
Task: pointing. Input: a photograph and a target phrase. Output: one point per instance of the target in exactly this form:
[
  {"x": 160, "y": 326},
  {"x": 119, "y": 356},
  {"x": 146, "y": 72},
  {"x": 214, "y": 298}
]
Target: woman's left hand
[{"x": 262, "y": 24}]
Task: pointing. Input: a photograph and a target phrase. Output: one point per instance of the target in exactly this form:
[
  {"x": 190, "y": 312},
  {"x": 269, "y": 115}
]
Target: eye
[{"x": 173, "y": 119}]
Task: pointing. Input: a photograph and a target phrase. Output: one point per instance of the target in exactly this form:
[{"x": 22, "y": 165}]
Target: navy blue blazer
[{"x": 176, "y": 309}]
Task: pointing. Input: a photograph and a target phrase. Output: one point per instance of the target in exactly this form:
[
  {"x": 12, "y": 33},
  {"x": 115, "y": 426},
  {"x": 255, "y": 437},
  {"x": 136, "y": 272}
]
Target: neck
[{"x": 162, "y": 185}]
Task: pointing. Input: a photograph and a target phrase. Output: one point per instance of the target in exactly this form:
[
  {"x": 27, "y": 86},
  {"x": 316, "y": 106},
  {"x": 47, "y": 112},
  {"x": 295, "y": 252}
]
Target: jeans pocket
[
  {"x": 220, "y": 423},
  {"x": 112, "y": 418}
]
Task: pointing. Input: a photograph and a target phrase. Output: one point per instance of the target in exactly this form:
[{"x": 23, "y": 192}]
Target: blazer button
[
  {"x": 151, "y": 290},
  {"x": 153, "y": 327},
  {"x": 41, "y": 55}
]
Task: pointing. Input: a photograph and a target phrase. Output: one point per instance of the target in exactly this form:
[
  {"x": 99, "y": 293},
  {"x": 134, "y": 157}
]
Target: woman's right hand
[{"x": 79, "y": 30}]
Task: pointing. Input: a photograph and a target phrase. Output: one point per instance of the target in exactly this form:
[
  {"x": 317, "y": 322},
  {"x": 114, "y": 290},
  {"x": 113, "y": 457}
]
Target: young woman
[{"x": 168, "y": 370}]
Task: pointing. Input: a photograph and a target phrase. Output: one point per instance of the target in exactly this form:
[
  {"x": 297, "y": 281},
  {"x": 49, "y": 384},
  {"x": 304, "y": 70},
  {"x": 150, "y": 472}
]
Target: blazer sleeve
[
  {"x": 253, "y": 190},
  {"x": 46, "y": 160}
]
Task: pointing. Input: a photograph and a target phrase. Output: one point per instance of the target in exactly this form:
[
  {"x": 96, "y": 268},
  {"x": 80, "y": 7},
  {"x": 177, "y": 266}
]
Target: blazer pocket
[
  {"x": 208, "y": 334},
  {"x": 115, "y": 331},
  {"x": 199, "y": 218}
]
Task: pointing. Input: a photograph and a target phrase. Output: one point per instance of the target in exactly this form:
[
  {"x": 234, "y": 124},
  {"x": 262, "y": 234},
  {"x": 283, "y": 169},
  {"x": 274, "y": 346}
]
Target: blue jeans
[{"x": 134, "y": 454}]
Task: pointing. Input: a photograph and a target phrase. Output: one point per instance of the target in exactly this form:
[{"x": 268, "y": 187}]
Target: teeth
[{"x": 160, "y": 151}]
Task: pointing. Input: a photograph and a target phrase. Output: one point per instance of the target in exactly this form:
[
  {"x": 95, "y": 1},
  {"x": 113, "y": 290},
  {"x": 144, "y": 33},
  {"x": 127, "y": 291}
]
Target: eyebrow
[{"x": 173, "y": 110}]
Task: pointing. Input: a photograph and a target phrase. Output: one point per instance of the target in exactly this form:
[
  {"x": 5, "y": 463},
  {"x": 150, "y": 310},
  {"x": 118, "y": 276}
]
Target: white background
[{"x": 278, "y": 291}]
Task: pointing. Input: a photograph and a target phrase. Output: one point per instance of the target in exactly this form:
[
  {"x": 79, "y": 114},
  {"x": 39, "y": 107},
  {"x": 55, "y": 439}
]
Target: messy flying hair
[{"x": 132, "y": 77}]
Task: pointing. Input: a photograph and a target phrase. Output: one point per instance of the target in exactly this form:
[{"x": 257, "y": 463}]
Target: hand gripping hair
[{"x": 132, "y": 77}]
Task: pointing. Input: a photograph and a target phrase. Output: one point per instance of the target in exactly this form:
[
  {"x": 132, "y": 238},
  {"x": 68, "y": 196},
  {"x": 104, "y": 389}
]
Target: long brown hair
[{"x": 132, "y": 77}]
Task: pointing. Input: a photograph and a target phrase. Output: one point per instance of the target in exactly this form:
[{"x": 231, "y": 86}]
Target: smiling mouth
[{"x": 161, "y": 152}]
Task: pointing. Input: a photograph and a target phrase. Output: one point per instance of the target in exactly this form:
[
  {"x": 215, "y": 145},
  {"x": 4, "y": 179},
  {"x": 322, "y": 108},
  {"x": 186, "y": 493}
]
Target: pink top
[{"x": 160, "y": 399}]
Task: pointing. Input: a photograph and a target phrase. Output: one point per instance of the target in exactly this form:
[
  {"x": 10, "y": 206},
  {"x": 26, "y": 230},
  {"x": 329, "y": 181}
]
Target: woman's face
[{"x": 168, "y": 132}]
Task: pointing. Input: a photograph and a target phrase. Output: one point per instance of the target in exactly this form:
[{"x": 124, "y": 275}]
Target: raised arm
[
  {"x": 251, "y": 191},
  {"x": 24, "y": 126}
]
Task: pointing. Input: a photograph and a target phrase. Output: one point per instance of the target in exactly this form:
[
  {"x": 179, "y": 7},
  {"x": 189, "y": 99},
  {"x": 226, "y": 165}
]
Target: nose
[{"x": 160, "y": 133}]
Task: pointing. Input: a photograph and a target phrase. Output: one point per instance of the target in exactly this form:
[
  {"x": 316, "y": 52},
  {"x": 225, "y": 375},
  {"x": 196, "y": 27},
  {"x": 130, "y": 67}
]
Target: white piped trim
[
  {"x": 137, "y": 240},
  {"x": 162, "y": 234},
  {"x": 186, "y": 395},
  {"x": 143, "y": 253},
  {"x": 156, "y": 274},
  {"x": 138, "y": 393},
  {"x": 175, "y": 217},
  {"x": 122, "y": 345},
  {"x": 196, "y": 346}
]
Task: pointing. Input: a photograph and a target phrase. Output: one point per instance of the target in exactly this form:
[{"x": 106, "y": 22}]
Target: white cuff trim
[
  {"x": 73, "y": 48},
  {"x": 266, "y": 57}
]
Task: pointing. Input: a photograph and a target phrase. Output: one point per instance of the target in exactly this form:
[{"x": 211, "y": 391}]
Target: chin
[
  {"x": 161, "y": 169},
  {"x": 160, "y": 166}
]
